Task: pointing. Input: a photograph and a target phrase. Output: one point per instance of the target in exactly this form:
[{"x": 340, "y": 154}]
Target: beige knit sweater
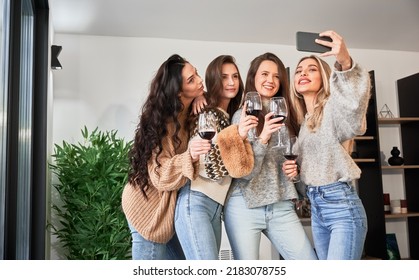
[{"x": 153, "y": 217}]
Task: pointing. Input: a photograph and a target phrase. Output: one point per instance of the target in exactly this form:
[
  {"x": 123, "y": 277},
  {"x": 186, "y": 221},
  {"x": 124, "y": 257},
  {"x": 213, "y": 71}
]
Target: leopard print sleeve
[{"x": 215, "y": 169}]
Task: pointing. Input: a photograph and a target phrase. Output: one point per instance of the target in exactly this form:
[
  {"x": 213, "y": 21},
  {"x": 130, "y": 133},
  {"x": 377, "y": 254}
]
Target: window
[
  {"x": 24, "y": 151},
  {"x": 23, "y": 98},
  {"x": 4, "y": 42}
]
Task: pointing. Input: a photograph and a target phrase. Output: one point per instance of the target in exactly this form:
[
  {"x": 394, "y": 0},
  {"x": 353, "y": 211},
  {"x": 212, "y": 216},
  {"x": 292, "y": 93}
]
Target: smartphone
[{"x": 306, "y": 43}]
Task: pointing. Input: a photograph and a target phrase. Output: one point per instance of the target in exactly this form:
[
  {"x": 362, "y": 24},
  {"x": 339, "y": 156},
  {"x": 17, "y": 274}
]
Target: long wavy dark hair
[
  {"x": 284, "y": 89},
  {"x": 162, "y": 105},
  {"x": 214, "y": 83}
]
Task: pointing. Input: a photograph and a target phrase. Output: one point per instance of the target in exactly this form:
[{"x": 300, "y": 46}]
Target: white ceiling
[{"x": 365, "y": 24}]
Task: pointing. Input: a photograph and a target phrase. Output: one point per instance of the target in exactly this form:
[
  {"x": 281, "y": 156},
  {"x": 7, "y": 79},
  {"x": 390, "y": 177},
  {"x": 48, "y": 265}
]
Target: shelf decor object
[
  {"x": 385, "y": 112},
  {"x": 395, "y": 158},
  {"x": 403, "y": 206},
  {"x": 395, "y": 206},
  {"x": 387, "y": 203}
]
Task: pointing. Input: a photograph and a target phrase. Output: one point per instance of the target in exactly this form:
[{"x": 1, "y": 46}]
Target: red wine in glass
[
  {"x": 291, "y": 152},
  {"x": 207, "y": 128},
  {"x": 254, "y": 108},
  {"x": 253, "y": 112},
  {"x": 282, "y": 120},
  {"x": 208, "y": 135},
  {"x": 278, "y": 106},
  {"x": 291, "y": 156}
]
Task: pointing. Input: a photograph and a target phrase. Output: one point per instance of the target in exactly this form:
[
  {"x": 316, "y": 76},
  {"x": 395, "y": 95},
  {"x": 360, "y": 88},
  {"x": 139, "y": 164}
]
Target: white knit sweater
[{"x": 323, "y": 159}]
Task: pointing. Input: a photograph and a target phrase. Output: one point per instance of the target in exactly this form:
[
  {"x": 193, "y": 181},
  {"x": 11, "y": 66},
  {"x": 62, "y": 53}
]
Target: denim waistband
[{"x": 328, "y": 186}]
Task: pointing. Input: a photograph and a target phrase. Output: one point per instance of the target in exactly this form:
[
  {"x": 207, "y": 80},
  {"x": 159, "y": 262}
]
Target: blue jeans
[
  {"x": 198, "y": 224},
  {"x": 143, "y": 249},
  {"x": 338, "y": 221},
  {"x": 278, "y": 221}
]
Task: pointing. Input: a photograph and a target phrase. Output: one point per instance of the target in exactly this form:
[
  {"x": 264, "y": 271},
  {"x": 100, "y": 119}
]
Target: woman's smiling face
[
  {"x": 267, "y": 79},
  {"x": 307, "y": 77}
]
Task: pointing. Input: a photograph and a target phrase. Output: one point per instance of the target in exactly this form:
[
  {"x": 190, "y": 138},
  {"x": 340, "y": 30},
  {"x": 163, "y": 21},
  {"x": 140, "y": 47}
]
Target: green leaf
[{"x": 90, "y": 177}]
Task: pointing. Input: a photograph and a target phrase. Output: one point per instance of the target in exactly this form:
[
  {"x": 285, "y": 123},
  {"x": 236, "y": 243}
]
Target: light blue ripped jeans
[
  {"x": 278, "y": 221},
  {"x": 198, "y": 224},
  {"x": 338, "y": 221}
]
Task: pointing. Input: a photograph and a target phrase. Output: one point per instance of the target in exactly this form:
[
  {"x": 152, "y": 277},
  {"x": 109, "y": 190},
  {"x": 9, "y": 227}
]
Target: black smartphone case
[{"x": 306, "y": 43}]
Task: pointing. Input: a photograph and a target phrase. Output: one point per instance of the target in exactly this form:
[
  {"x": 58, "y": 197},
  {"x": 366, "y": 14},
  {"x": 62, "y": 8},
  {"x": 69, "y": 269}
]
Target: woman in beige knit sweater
[{"x": 161, "y": 161}]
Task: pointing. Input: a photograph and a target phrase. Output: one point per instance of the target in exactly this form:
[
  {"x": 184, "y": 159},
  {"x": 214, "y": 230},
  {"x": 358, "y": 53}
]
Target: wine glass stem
[
  {"x": 279, "y": 137},
  {"x": 207, "y": 159},
  {"x": 252, "y": 134}
]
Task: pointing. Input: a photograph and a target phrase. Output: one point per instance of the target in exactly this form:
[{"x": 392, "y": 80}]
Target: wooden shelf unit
[
  {"x": 402, "y": 215},
  {"x": 370, "y": 185},
  {"x": 384, "y": 121},
  {"x": 361, "y": 138},
  {"x": 358, "y": 160},
  {"x": 408, "y": 93},
  {"x": 384, "y": 167}
]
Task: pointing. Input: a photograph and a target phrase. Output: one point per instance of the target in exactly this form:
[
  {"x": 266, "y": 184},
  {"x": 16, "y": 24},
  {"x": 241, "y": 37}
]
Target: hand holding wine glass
[
  {"x": 278, "y": 106},
  {"x": 291, "y": 153},
  {"x": 253, "y": 107},
  {"x": 206, "y": 128}
]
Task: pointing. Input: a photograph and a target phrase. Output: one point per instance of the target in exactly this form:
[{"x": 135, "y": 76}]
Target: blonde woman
[{"x": 331, "y": 108}]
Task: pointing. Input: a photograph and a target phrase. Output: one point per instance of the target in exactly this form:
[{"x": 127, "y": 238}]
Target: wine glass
[
  {"x": 278, "y": 106},
  {"x": 206, "y": 128},
  {"x": 253, "y": 107},
  {"x": 291, "y": 152}
]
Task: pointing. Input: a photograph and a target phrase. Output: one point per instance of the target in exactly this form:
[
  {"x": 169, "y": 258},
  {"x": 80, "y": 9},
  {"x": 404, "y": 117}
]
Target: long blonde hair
[{"x": 297, "y": 100}]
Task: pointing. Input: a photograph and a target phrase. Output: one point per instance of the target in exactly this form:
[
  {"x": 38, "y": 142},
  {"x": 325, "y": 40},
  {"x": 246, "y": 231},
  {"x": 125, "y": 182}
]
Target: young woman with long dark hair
[{"x": 162, "y": 161}]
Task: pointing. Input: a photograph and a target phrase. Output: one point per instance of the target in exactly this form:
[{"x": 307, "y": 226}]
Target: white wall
[{"x": 104, "y": 81}]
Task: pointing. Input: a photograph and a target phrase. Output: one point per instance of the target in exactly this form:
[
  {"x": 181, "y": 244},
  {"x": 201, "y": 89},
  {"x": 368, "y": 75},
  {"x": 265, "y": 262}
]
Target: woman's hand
[
  {"x": 198, "y": 146},
  {"x": 339, "y": 49},
  {"x": 246, "y": 123},
  {"x": 290, "y": 168},
  {"x": 198, "y": 104},
  {"x": 270, "y": 126}
]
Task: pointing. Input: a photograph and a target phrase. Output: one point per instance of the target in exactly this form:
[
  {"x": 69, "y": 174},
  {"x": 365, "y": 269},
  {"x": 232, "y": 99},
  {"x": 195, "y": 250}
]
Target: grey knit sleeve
[
  {"x": 259, "y": 150},
  {"x": 349, "y": 97}
]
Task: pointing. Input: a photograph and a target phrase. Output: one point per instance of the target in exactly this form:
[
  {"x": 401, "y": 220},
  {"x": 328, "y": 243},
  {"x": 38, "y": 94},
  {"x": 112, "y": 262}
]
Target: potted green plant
[{"x": 90, "y": 177}]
